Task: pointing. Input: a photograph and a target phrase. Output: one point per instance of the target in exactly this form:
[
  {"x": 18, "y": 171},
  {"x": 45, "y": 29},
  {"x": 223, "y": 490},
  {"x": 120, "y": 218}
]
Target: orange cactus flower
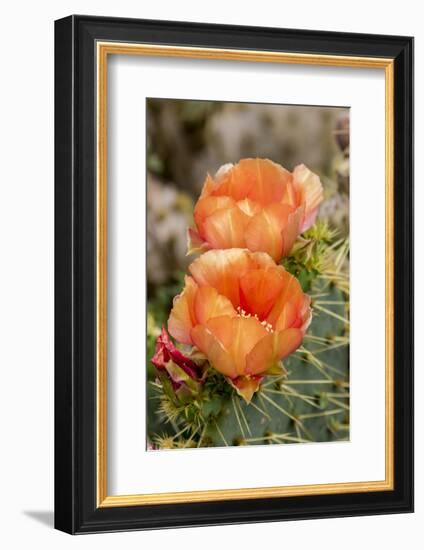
[
  {"x": 244, "y": 312},
  {"x": 255, "y": 204}
]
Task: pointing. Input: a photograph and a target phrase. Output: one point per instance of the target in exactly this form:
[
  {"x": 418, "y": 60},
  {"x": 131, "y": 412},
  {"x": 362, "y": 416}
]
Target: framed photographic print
[{"x": 234, "y": 274}]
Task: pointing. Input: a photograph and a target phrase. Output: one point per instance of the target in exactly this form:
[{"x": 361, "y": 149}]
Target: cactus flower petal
[
  {"x": 256, "y": 204},
  {"x": 209, "y": 205},
  {"x": 211, "y": 346},
  {"x": 226, "y": 225},
  {"x": 181, "y": 319},
  {"x": 194, "y": 306},
  {"x": 222, "y": 269},
  {"x": 263, "y": 234},
  {"x": 310, "y": 191},
  {"x": 243, "y": 312},
  {"x": 195, "y": 243},
  {"x": 259, "y": 290},
  {"x": 246, "y": 386},
  {"x": 292, "y": 229},
  {"x": 227, "y": 341},
  {"x": 270, "y": 349},
  {"x": 209, "y": 304}
]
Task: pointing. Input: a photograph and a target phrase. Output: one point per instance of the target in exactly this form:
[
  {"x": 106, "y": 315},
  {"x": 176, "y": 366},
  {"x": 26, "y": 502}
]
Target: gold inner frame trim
[{"x": 103, "y": 50}]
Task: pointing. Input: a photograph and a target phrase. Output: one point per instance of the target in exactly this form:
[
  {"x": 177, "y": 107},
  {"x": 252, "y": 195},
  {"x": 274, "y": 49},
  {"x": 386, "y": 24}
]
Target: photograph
[
  {"x": 247, "y": 274},
  {"x": 233, "y": 274}
]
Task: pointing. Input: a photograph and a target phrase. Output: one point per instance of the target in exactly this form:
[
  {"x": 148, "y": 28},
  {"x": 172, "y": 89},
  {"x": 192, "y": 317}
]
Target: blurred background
[{"x": 187, "y": 139}]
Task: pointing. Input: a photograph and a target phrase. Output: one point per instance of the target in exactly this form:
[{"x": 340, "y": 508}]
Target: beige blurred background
[{"x": 187, "y": 139}]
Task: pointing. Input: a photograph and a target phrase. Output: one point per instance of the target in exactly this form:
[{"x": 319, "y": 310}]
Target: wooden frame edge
[{"x": 103, "y": 49}]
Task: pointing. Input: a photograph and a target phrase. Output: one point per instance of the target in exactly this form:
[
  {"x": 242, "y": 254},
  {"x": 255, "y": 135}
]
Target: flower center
[{"x": 242, "y": 313}]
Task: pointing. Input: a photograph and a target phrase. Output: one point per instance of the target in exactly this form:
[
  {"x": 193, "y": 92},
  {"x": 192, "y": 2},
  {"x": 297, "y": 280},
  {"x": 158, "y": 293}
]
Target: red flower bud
[
  {"x": 166, "y": 351},
  {"x": 179, "y": 374}
]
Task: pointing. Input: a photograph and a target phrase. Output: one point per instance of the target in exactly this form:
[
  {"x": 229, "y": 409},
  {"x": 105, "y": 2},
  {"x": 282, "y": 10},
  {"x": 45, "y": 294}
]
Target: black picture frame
[{"x": 76, "y": 510}]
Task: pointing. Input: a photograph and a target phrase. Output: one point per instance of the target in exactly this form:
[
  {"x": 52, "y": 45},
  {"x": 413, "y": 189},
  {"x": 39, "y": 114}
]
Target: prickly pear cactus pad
[
  {"x": 247, "y": 334},
  {"x": 307, "y": 401}
]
